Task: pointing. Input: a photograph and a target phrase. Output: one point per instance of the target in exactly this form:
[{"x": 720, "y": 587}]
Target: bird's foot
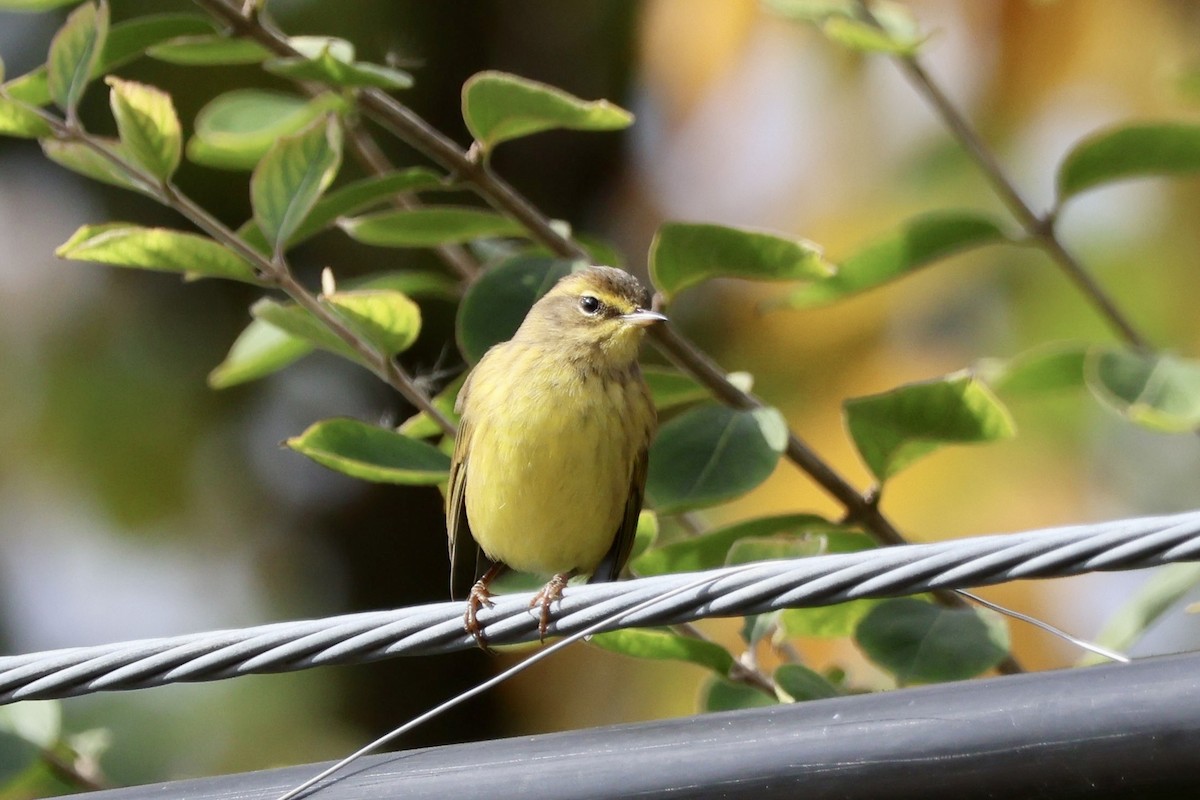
[
  {"x": 477, "y": 599},
  {"x": 549, "y": 593}
]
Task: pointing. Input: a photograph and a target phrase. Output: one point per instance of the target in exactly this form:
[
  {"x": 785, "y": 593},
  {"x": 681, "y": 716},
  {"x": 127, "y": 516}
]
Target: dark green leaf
[
  {"x": 351, "y": 198},
  {"x": 1160, "y": 392},
  {"x": 258, "y": 351},
  {"x": 770, "y": 548},
  {"x": 920, "y": 242},
  {"x": 719, "y": 694},
  {"x": 129, "y": 39},
  {"x": 1166, "y": 587},
  {"x": 372, "y": 453},
  {"x": 289, "y": 180},
  {"x": 237, "y": 129},
  {"x": 148, "y": 126},
  {"x": 662, "y": 645},
  {"x": 895, "y": 428},
  {"x": 127, "y": 245},
  {"x": 711, "y": 549},
  {"x": 1048, "y": 368},
  {"x": 429, "y": 227},
  {"x": 801, "y": 683},
  {"x": 209, "y": 50},
  {"x": 1131, "y": 151},
  {"x": 74, "y": 53},
  {"x": 920, "y": 642},
  {"x": 495, "y": 304},
  {"x": 498, "y": 107},
  {"x": 16, "y": 756},
  {"x": 685, "y": 254},
  {"x": 711, "y": 454},
  {"x": 672, "y": 388}
]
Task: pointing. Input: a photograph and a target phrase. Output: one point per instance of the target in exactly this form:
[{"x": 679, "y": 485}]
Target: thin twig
[
  {"x": 740, "y": 672},
  {"x": 1039, "y": 229}
]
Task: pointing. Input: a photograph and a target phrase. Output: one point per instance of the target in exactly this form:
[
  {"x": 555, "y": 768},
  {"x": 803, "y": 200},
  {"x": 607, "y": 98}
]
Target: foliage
[{"x": 706, "y": 453}]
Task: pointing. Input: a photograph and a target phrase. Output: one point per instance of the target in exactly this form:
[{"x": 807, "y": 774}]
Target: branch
[{"x": 1040, "y": 230}]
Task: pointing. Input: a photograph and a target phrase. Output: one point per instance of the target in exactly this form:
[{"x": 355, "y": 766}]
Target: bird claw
[
  {"x": 548, "y": 594},
  {"x": 477, "y": 599}
]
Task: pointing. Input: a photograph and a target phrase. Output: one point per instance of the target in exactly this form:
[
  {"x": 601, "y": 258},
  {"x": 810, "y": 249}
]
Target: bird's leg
[
  {"x": 549, "y": 593},
  {"x": 477, "y": 599}
]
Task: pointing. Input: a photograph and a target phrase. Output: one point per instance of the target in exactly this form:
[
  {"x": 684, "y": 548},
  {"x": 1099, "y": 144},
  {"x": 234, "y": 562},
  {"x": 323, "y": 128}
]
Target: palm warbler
[{"x": 550, "y": 462}]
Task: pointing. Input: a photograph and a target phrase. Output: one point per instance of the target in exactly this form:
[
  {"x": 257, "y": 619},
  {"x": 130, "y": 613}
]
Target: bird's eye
[{"x": 589, "y": 304}]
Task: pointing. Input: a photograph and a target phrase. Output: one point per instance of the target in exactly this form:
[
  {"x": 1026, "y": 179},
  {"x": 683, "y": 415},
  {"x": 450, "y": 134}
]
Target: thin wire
[
  {"x": 1084, "y": 644},
  {"x": 489, "y": 684}
]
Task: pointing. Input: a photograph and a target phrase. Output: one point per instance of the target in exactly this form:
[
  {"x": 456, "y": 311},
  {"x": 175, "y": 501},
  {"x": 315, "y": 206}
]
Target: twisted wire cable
[{"x": 729, "y": 591}]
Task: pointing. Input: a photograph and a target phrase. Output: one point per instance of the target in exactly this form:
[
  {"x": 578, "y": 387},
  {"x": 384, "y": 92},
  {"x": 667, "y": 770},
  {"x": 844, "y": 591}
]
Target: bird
[{"x": 549, "y": 466}]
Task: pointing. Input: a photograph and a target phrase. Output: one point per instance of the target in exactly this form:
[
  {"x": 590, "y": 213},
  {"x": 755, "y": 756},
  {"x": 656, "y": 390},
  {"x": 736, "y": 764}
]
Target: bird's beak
[{"x": 642, "y": 318}]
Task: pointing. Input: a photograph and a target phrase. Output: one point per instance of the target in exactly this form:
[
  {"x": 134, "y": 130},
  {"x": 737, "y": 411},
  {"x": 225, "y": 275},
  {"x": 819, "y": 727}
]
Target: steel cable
[{"x": 730, "y": 591}]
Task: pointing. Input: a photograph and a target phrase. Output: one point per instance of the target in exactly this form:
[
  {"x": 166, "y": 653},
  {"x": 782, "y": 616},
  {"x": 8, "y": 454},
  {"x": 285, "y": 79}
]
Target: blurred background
[{"x": 137, "y": 502}]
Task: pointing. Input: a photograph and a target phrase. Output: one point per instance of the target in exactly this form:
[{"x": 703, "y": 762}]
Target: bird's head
[{"x": 596, "y": 313}]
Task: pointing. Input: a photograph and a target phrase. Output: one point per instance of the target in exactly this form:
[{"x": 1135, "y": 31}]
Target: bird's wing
[
  {"x": 614, "y": 561},
  {"x": 463, "y": 549}
]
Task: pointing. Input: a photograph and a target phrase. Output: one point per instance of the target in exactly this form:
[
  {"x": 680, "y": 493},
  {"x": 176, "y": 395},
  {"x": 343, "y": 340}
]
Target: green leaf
[
  {"x": 148, "y": 126},
  {"x": 1130, "y": 151},
  {"x": 209, "y": 50},
  {"x": 36, "y": 721},
  {"x": 495, "y": 304},
  {"x": 893, "y": 429},
  {"x": 498, "y": 107},
  {"x": 17, "y": 119},
  {"x": 127, "y": 245},
  {"x": 1048, "y": 368},
  {"x": 372, "y": 453},
  {"x": 1157, "y": 391},
  {"x": 672, "y": 388},
  {"x": 719, "y": 694},
  {"x": 326, "y": 67},
  {"x": 291, "y": 177},
  {"x": 74, "y": 53},
  {"x": 17, "y": 756},
  {"x": 34, "y": 5},
  {"x": 663, "y": 645},
  {"x": 429, "y": 226},
  {"x": 259, "y": 350},
  {"x": 800, "y": 683},
  {"x": 387, "y": 318},
  {"x": 79, "y": 157},
  {"x": 236, "y": 129},
  {"x": 711, "y": 454},
  {"x": 920, "y": 642},
  {"x": 825, "y": 622},
  {"x": 711, "y": 549},
  {"x": 1165, "y": 588},
  {"x": 349, "y": 199},
  {"x": 810, "y": 10},
  {"x": 262, "y": 348},
  {"x": 919, "y": 242},
  {"x": 684, "y": 254},
  {"x": 770, "y": 548},
  {"x": 422, "y": 426},
  {"x": 867, "y": 38},
  {"x": 646, "y": 533}
]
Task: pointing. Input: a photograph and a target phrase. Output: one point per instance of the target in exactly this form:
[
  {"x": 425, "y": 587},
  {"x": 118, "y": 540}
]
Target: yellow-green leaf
[
  {"x": 658, "y": 644},
  {"x": 259, "y": 350},
  {"x": 236, "y": 129},
  {"x": 148, "y": 126},
  {"x": 685, "y": 254},
  {"x": 18, "y": 119},
  {"x": 127, "y": 245},
  {"x": 1157, "y": 391},
  {"x": 1130, "y": 151},
  {"x": 372, "y": 453},
  {"x": 82, "y": 158},
  {"x": 208, "y": 50},
  {"x": 897, "y": 427},
  {"x": 74, "y": 52},
  {"x": 291, "y": 177},
  {"x": 498, "y": 106}
]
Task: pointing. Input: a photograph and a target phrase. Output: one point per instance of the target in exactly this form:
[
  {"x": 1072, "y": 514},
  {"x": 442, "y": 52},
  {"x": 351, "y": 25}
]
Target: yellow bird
[{"x": 549, "y": 466}]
